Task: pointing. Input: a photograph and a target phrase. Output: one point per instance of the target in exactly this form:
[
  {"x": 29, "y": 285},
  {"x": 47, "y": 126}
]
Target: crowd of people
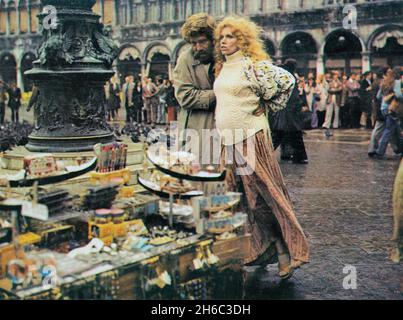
[
  {"x": 148, "y": 101},
  {"x": 372, "y": 100},
  {"x": 337, "y": 101}
]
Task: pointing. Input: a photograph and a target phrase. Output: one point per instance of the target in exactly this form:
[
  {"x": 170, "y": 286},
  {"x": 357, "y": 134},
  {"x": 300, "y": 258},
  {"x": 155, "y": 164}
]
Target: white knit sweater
[{"x": 236, "y": 101}]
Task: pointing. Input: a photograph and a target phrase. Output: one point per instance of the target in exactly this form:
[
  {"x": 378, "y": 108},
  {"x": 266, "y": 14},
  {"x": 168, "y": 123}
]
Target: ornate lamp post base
[{"x": 74, "y": 63}]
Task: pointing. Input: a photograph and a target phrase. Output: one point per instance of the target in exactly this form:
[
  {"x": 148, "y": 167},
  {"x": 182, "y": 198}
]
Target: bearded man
[{"x": 193, "y": 81}]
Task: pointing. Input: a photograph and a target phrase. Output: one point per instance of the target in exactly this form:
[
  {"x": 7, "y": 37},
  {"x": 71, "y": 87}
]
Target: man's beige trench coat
[{"x": 194, "y": 92}]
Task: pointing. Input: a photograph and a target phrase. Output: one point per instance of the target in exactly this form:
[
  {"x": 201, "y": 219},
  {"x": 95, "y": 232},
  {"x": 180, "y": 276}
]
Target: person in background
[
  {"x": 14, "y": 101},
  {"x": 391, "y": 94},
  {"x": 162, "y": 103},
  {"x": 366, "y": 98},
  {"x": 287, "y": 124},
  {"x": 309, "y": 93},
  {"x": 333, "y": 102},
  {"x": 149, "y": 98},
  {"x": 113, "y": 98},
  {"x": 344, "y": 107},
  {"x": 3, "y": 101},
  {"x": 116, "y": 83},
  {"x": 376, "y": 104},
  {"x": 301, "y": 89},
  {"x": 138, "y": 102},
  {"x": 320, "y": 98},
  {"x": 127, "y": 101},
  {"x": 171, "y": 102},
  {"x": 380, "y": 119},
  {"x": 353, "y": 100}
]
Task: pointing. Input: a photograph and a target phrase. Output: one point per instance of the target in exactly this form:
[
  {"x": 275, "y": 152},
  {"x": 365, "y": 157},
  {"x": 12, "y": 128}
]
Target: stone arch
[
  {"x": 301, "y": 36},
  {"x": 341, "y": 30},
  {"x": 154, "y": 48},
  {"x": 343, "y": 51},
  {"x": 158, "y": 59},
  {"x": 388, "y": 30},
  {"x": 128, "y": 51},
  {"x": 129, "y": 62},
  {"x": 385, "y": 46},
  {"x": 302, "y": 47}
]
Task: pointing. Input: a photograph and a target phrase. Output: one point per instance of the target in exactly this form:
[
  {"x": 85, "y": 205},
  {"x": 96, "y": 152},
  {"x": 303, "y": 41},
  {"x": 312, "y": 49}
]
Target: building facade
[{"x": 322, "y": 35}]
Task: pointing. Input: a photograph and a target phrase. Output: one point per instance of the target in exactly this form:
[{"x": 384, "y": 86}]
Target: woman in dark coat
[
  {"x": 286, "y": 125},
  {"x": 172, "y": 103},
  {"x": 138, "y": 102},
  {"x": 113, "y": 100}
]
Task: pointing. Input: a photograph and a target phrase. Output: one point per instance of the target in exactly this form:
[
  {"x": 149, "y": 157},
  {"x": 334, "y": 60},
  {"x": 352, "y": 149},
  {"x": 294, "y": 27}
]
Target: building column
[
  {"x": 18, "y": 53},
  {"x": 366, "y": 61},
  {"x": 17, "y": 13},
  {"x": 115, "y": 18},
  {"x": 29, "y": 16},
  {"x": 320, "y": 65},
  {"x": 8, "y": 24}
]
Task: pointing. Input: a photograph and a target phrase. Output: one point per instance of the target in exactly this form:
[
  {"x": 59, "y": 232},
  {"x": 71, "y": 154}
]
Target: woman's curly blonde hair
[
  {"x": 198, "y": 24},
  {"x": 249, "y": 38}
]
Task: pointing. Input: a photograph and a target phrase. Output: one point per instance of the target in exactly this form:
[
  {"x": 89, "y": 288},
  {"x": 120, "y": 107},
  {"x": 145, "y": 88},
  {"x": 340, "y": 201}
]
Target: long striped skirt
[{"x": 256, "y": 173}]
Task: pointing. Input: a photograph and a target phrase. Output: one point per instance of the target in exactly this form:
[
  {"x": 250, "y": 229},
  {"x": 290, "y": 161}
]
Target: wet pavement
[{"x": 343, "y": 201}]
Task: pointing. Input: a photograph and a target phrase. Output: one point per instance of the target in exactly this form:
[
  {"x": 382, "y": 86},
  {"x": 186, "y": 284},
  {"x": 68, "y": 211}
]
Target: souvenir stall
[{"x": 127, "y": 221}]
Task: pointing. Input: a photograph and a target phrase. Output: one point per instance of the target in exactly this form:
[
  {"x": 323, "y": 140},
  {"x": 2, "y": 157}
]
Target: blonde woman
[
  {"x": 320, "y": 98},
  {"x": 245, "y": 77}
]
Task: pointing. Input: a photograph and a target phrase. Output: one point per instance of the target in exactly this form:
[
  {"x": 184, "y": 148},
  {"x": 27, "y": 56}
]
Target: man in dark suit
[
  {"x": 14, "y": 101},
  {"x": 366, "y": 97}
]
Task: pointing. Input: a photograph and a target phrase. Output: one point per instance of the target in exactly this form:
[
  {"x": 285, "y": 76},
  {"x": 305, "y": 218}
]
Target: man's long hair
[{"x": 199, "y": 24}]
